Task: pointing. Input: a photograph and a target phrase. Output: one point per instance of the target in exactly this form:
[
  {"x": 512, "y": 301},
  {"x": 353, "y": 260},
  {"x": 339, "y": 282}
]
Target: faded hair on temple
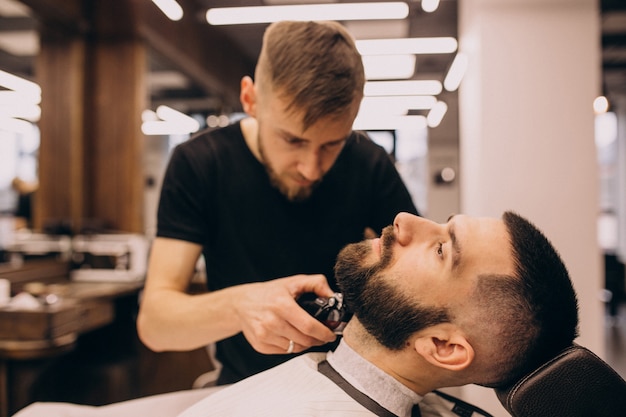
[{"x": 537, "y": 308}]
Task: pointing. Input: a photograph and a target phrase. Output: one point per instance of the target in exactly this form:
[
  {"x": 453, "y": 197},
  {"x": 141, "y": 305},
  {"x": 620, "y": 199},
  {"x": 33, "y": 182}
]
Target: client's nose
[{"x": 407, "y": 227}]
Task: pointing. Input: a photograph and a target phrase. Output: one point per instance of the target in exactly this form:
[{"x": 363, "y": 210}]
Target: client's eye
[{"x": 440, "y": 250}]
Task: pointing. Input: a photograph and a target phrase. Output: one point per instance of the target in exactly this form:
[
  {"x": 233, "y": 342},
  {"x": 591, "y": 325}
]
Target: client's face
[{"x": 419, "y": 273}]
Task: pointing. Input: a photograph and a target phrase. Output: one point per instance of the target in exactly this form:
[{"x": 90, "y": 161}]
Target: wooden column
[
  {"x": 92, "y": 68},
  {"x": 91, "y": 142},
  {"x": 114, "y": 141},
  {"x": 60, "y": 72}
]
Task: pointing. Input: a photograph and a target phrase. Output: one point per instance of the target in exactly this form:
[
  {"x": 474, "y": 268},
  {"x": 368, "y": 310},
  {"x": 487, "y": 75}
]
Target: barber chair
[{"x": 575, "y": 383}]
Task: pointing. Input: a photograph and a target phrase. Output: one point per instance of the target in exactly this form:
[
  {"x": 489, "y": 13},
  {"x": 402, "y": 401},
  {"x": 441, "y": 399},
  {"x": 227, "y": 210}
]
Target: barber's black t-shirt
[{"x": 217, "y": 194}]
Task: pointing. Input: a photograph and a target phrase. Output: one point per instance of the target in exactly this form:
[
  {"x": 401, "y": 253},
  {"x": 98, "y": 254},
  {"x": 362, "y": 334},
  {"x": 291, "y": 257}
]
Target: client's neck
[
  {"x": 405, "y": 365},
  {"x": 366, "y": 345}
]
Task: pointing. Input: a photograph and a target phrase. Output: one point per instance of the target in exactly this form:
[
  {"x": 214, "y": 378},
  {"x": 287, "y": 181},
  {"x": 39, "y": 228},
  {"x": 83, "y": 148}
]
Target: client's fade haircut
[
  {"x": 314, "y": 65},
  {"x": 536, "y": 309}
]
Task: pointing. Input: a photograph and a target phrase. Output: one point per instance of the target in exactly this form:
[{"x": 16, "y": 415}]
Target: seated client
[{"x": 472, "y": 301}]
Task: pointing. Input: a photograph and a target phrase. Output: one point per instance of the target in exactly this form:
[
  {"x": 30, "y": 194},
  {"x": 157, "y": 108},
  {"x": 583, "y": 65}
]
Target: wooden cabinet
[{"x": 85, "y": 350}]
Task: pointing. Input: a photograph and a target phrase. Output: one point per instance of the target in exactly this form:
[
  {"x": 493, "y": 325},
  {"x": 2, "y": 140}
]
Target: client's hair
[{"x": 536, "y": 310}]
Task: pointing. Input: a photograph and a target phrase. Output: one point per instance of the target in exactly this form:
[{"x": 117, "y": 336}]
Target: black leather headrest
[{"x": 575, "y": 383}]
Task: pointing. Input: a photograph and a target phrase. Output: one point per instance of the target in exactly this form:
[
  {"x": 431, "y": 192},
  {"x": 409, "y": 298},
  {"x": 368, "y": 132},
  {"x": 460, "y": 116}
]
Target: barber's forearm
[{"x": 171, "y": 320}]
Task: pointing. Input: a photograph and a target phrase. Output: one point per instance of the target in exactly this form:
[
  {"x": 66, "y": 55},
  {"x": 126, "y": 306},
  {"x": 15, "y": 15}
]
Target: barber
[{"x": 269, "y": 202}]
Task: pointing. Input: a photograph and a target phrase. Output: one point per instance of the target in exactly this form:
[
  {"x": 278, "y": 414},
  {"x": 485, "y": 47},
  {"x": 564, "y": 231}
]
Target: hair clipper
[{"x": 331, "y": 311}]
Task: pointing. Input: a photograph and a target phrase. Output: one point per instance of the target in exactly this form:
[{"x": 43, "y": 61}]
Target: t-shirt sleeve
[{"x": 182, "y": 212}]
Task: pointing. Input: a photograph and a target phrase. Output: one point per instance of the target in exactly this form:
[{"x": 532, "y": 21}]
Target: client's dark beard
[{"x": 388, "y": 314}]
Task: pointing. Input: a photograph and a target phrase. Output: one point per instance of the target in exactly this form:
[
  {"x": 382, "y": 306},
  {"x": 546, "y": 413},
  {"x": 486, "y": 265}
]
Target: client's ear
[{"x": 446, "y": 347}]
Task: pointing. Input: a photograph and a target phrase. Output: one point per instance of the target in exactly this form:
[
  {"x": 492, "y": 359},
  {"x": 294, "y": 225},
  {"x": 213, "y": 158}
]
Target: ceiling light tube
[
  {"x": 160, "y": 127},
  {"x": 435, "y": 115},
  {"x": 337, "y": 11},
  {"x": 605, "y": 129},
  {"x": 456, "y": 72},
  {"x": 26, "y": 88},
  {"x": 398, "y": 105},
  {"x": 177, "y": 118},
  {"x": 389, "y": 67},
  {"x": 10, "y": 124},
  {"x": 401, "y": 46},
  {"x": 11, "y": 98},
  {"x": 389, "y": 122},
  {"x": 149, "y": 116},
  {"x": 170, "y": 8},
  {"x": 402, "y": 88},
  {"x": 26, "y": 111}
]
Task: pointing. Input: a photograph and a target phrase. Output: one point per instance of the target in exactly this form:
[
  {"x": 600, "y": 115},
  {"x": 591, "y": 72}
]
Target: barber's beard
[
  {"x": 293, "y": 193},
  {"x": 386, "y": 312}
]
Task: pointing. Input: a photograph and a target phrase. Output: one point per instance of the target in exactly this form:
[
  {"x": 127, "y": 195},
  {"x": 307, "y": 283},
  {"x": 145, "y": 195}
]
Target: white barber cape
[
  {"x": 297, "y": 389},
  {"x": 293, "y": 389}
]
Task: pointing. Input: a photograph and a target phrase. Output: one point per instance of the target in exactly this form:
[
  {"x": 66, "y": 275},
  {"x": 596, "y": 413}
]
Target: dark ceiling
[
  {"x": 174, "y": 84},
  {"x": 443, "y": 22}
]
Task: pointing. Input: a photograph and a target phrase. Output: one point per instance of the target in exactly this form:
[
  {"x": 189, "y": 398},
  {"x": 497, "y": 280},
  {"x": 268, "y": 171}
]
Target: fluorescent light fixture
[
  {"x": 168, "y": 114},
  {"x": 21, "y": 110},
  {"x": 337, "y": 11},
  {"x": 149, "y": 116},
  {"x": 14, "y": 9},
  {"x": 22, "y": 98},
  {"x": 159, "y": 127},
  {"x": 430, "y": 6},
  {"x": 389, "y": 122},
  {"x": 27, "y": 89},
  {"x": 605, "y": 129},
  {"x": 389, "y": 67},
  {"x": 402, "y": 88},
  {"x": 402, "y": 46},
  {"x": 435, "y": 115},
  {"x": 10, "y": 124},
  {"x": 172, "y": 122},
  {"x": 163, "y": 80},
  {"x": 398, "y": 105},
  {"x": 378, "y": 29},
  {"x": 10, "y": 97},
  {"x": 170, "y": 8},
  {"x": 22, "y": 43},
  {"x": 456, "y": 72}
]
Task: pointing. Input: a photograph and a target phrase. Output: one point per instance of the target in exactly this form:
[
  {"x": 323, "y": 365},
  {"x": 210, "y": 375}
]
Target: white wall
[{"x": 527, "y": 133}]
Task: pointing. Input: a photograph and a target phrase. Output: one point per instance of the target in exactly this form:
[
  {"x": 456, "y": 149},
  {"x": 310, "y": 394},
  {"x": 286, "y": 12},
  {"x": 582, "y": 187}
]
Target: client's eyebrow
[{"x": 456, "y": 246}]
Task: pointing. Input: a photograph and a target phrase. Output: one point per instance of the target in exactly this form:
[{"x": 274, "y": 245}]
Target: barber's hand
[{"x": 271, "y": 318}]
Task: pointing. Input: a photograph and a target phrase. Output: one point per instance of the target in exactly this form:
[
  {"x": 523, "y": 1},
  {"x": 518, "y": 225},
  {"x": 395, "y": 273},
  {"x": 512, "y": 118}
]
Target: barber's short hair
[
  {"x": 315, "y": 66},
  {"x": 536, "y": 310}
]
